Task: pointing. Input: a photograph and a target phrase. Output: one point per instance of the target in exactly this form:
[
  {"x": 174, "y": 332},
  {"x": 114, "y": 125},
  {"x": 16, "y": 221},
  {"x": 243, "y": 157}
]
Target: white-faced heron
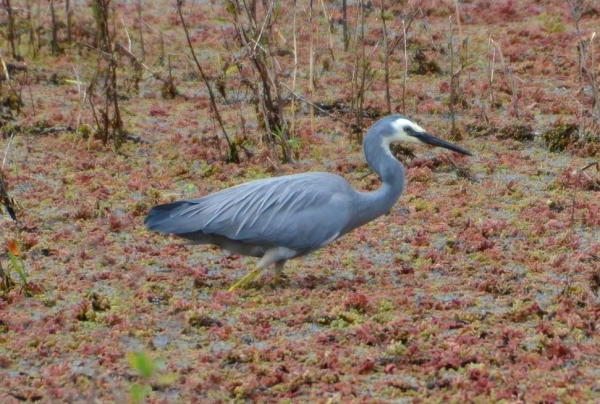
[{"x": 286, "y": 217}]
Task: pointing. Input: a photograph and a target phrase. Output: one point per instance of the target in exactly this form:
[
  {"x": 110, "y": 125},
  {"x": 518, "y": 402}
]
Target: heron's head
[{"x": 400, "y": 129}]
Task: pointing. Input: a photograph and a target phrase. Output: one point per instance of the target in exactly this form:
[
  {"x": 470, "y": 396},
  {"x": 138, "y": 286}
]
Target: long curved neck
[{"x": 371, "y": 205}]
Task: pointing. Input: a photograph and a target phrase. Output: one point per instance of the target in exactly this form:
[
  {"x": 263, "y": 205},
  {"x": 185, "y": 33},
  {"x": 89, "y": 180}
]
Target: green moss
[
  {"x": 153, "y": 193},
  {"x": 552, "y": 23},
  {"x": 346, "y": 318},
  {"x": 421, "y": 262},
  {"x": 560, "y": 136},
  {"x": 395, "y": 348},
  {"x": 456, "y": 213},
  {"x": 482, "y": 257},
  {"x": 385, "y": 305},
  {"x": 383, "y": 318},
  {"x": 420, "y": 205}
]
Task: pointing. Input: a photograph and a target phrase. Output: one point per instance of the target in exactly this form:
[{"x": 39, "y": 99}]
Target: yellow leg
[
  {"x": 278, "y": 271},
  {"x": 242, "y": 283}
]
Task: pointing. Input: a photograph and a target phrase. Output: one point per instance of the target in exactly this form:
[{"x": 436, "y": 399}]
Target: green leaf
[
  {"x": 231, "y": 70},
  {"x": 166, "y": 379},
  {"x": 230, "y": 7},
  {"x": 142, "y": 363},
  {"x": 139, "y": 392},
  {"x": 17, "y": 268}
]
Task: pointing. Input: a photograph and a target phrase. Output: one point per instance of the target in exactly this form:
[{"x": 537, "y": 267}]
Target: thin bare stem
[
  {"x": 311, "y": 67},
  {"x": 458, "y": 24},
  {"x": 513, "y": 87},
  {"x": 345, "y": 24},
  {"x": 453, "y": 131},
  {"x": 313, "y": 105},
  {"x": 579, "y": 173},
  {"x": 361, "y": 64},
  {"x": 509, "y": 74},
  {"x": 491, "y": 64},
  {"x": 329, "y": 24},
  {"x": 386, "y": 68},
  {"x": 31, "y": 30},
  {"x": 69, "y": 12},
  {"x": 576, "y": 13},
  {"x": 10, "y": 35},
  {"x": 405, "y": 78},
  {"x": 405, "y": 27},
  {"x": 294, "y": 75},
  {"x": 139, "y": 10},
  {"x": 232, "y": 153},
  {"x": 54, "y": 30},
  {"x": 591, "y": 74}
]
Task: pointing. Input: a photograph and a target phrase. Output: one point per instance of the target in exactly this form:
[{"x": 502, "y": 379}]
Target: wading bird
[{"x": 280, "y": 218}]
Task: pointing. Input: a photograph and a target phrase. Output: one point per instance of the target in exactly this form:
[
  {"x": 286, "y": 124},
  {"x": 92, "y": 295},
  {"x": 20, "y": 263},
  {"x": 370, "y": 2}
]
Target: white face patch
[{"x": 400, "y": 135}]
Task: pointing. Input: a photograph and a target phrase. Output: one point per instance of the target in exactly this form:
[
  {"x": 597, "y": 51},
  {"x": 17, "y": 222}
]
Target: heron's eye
[{"x": 408, "y": 129}]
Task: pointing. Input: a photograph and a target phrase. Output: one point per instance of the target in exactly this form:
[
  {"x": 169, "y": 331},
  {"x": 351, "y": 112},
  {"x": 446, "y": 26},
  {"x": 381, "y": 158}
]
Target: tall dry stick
[
  {"x": 267, "y": 67},
  {"x": 592, "y": 76},
  {"x": 345, "y": 24},
  {"x": 259, "y": 49},
  {"x": 491, "y": 64},
  {"x": 329, "y": 25},
  {"x": 458, "y": 24},
  {"x": 576, "y": 13},
  {"x": 108, "y": 119},
  {"x": 38, "y": 24},
  {"x": 405, "y": 78},
  {"x": 232, "y": 152},
  {"x": 513, "y": 86},
  {"x": 511, "y": 79},
  {"x": 32, "y": 29},
  {"x": 294, "y": 75},
  {"x": 386, "y": 68},
  {"x": 454, "y": 133},
  {"x": 311, "y": 68},
  {"x": 139, "y": 12},
  {"x": 10, "y": 35},
  {"x": 274, "y": 77},
  {"x": 54, "y": 30},
  {"x": 359, "y": 72},
  {"x": 69, "y": 20}
]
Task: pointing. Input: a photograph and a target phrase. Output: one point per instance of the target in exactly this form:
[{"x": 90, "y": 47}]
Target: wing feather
[{"x": 303, "y": 211}]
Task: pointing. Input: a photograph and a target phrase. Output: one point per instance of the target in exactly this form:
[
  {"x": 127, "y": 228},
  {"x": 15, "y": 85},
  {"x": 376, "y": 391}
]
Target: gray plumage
[{"x": 285, "y": 217}]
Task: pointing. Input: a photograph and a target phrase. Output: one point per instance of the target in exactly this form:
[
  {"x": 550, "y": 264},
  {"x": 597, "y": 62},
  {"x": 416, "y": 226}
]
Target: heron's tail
[{"x": 166, "y": 219}]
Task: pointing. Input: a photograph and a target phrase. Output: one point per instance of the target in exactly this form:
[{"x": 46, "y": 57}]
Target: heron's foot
[
  {"x": 279, "y": 279},
  {"x": 243, "y": 283}
]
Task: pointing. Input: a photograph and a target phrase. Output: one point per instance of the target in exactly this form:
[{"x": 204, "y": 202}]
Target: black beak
[{"x": 434, "y": 141}]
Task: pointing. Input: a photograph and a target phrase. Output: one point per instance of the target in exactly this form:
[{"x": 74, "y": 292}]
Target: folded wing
[{"x": 301, "y": 212}]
